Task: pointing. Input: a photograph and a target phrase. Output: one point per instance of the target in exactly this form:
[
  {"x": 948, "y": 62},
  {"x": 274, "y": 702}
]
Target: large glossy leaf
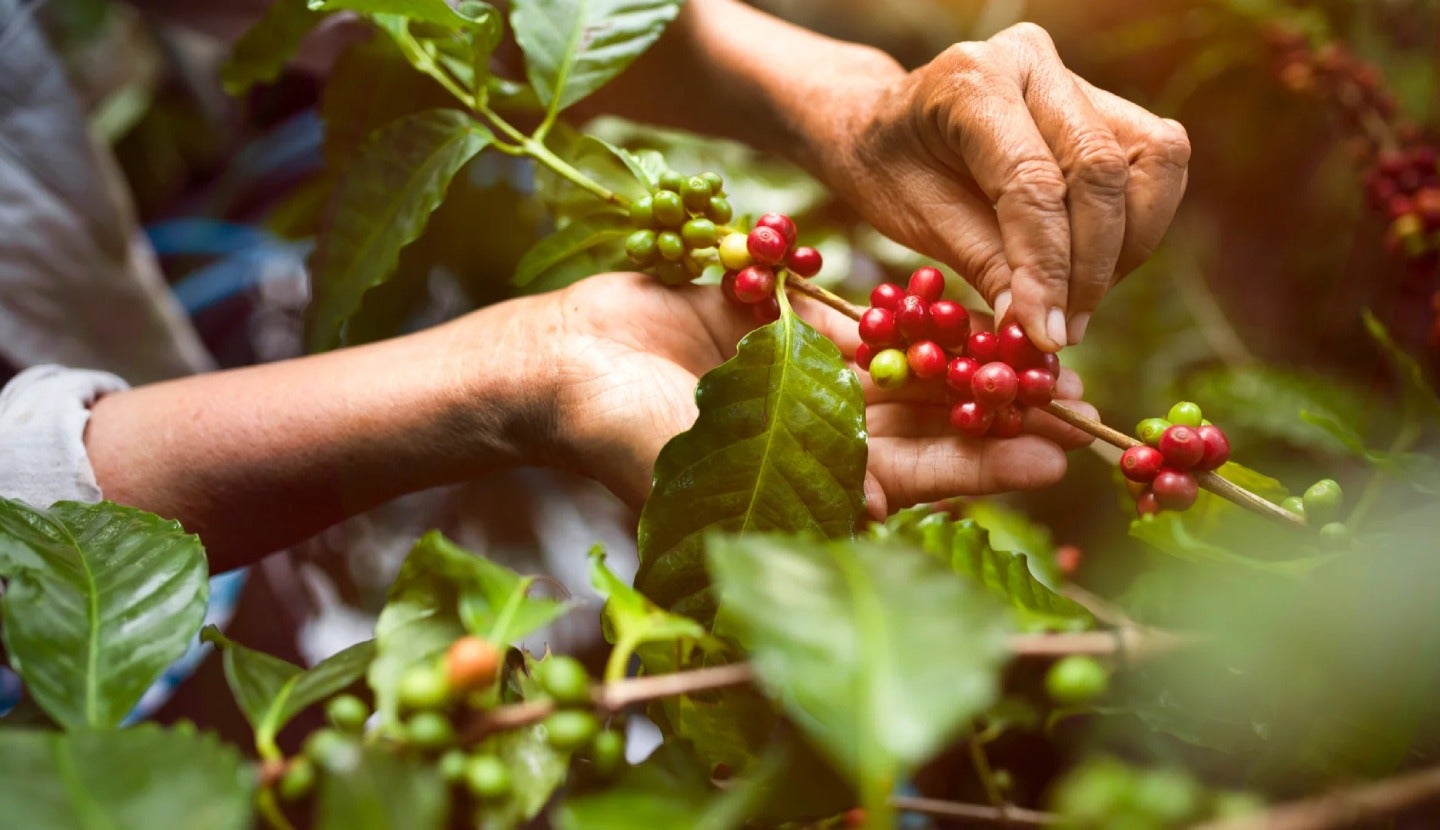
[
  {"x": 574, "y": 47},
  {"x": 965, "y": 546},
  {"x": 260, "y": 54},
  {"x": 779, "y": 446},
  {"x": 880, "y": 655},
  {"x": 99, "y": 600},
  {"x": 271, "y": 691},
  {"x": 575, "y": 239},
  {"x": 373, "y": 788},
  {"x": 384, "y": 199},
  {"x": 133, "y": 778},
  {"x": 441, "y": 593}
]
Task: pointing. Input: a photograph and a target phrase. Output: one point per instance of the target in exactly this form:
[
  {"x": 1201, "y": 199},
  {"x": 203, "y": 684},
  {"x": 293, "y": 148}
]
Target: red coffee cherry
[
  {"x": 1067, "y": 559},
  {"x": 1051, "y": 363},
  {"x": 1016, "y": 348},
  {"x": 914, "y": 318},
  {"x": 1217, "y": 447},
  {"x": 1009, "y": 423},
  {"x": 983, "y": 346},
  {"x": 727, "y": 286},
  {"x": 887, "y": 295},
  {"x": 804, "y": 262},
  {"x": 994, "y": 385},
  {"x": 1141, "y": 463},
  {"x": 1181, "y": 447},
  {"x": 1037, "y": 387},
  {"x": 1174, "y": 489},
  {"x": 766, "y": 245},
  {"x": 864, "y": 353},
  {"x": 927, "y": 283},
  {"x": 927, "y": 359},
  {"x": 781, "y": 224},
  {"x": 766, "y": 311},
  {"x": 754, "y": 283},
  {"x": 959, "y": 374},
  {"x": 1146, "y": 504},
  {"x": 878, "y": 328},
  {"x": 950, "y": 324},
  {"x": 971, "y": 418}
]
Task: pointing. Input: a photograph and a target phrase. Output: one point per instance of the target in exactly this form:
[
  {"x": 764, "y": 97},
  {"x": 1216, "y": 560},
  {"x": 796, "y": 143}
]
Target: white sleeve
[{"x": 43, "y": 413}]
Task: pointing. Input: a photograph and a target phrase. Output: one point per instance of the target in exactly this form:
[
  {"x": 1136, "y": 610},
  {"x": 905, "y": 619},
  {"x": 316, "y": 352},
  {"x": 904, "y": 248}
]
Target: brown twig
[
  {"x": 1210, "y": 481},
  {"x": 1008, "y": 815},
  {"x": 1344, "y": 808},
  {"x": 1130, "y": 644}
]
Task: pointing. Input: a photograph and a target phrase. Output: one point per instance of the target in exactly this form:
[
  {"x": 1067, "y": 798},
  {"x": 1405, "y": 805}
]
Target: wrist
[{"x": 828, "y": 117}]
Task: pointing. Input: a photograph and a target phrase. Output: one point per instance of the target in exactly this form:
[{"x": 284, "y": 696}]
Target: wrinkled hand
[
  {"x": 997, "y": 160},
  {"x": 628, "y": 352}
]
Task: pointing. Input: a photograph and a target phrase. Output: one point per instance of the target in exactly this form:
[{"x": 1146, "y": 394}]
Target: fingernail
[
  {"x": 1055, "y": 327},
  {"x": 1002, "y": 305},
  {"x": 1078, "y": 324}
]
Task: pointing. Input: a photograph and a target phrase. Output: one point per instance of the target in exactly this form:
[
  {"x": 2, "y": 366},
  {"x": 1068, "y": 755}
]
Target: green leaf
[
  {"x": 880, "y": 655},
  {"x": 270, "y": 691},
  {"x": 438, "y": 12},
  {"x": 262, "y": 52},
  {"x": 140, "y": 777},
  {"x": 631, "y": 621},
  {"x": 384, "y": 199},
  {"x": 574, "y": 47},
  {"x": 645, "y": 165},
  {"x": 965, "y": 546},
  {"x": 99, "y": 600},
  {"x": 372, "y": 788},
  {"x": 576, "y": 238},
  {"x": 1418, "y": 391},
  {"x": 779, "y": 446},
  {"x": 670, "y": 790},
  {"x": 1279, "y": 403},
  {"x": 1181, "y": 537},
  {"x": 444, "y": 592}
]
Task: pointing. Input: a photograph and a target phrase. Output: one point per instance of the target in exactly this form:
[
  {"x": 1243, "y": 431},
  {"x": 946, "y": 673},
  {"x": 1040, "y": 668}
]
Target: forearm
[
  {"x": 260, "y": 458},
  {"x": 726, "y": 69}
]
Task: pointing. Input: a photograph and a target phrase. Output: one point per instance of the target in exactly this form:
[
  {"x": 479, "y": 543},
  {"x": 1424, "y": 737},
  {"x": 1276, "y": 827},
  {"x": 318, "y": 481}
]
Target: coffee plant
[{"x": 806, "y": 666}]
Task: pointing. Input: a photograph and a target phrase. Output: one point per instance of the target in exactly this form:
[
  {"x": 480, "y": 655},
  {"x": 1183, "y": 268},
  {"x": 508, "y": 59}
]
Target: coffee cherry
[
  {"x": 950, "y": 324},
  {"x": 640, "y": 247},
  {"x": 1335, "y": 535},
  {"x": 1076, "y": 679},
  {"x": 1141, "y": 463},
  {"x": 959, "y": 374},
  {"x": 669, "y": 210},
  {"x": 429, "y": 730},
  {"x": 1068, "y": 559},
  {"x": 878, "y": 328},
  {"x": 994, "y": 385},
  {"x": 692, "y": 265},
  {"x": 1037, "y": 387},
  {"x": 1150, "y": 430},
  {"x": 1295, "y": 505},
  {"x": 607, "y": 753},
  {"x": 1175, "y": 490},
  {"x": 971, "y": 418},
  {"x": 670, "y": 245},
  {"x": 927, "y": 359},
  {"x": 487, "y": 777},
  {"x": 1050, "y": 362},
  {"x": 642, "y": 212},
  {"x": 564, "y": 679},
  {"x": 1146, "y": 504},
  {"x": 717, "y": 184},
  {"x": 1181, "y": 447},
  {"x": 423, "y": 687},
  {"x": 754, "y": 284},
  {"x": 698, "y": 233},
  {"x": 671, "y": 180},
  {"x": 727, "y": 286},
  {"x": 298, "y": 780},
  {"x": 983, "y": 346},
  {"x": 914, "y": 318},
  {"x": 766, "y": 311},
  {"x": 452, "y": 766},
  {"x": 1322, "y": 500},
  {"x": 735, "y": 251},
  {"x": 804, "y": 261},
  {"x": 1016, "y": 349},
  {"x": 779, "y": 223},
  {"x": 864, "y": 353},
  {"x": 471, "y": 663},
  {"x": 766, "y": 245},
  {"x": 887, "y": 295},
  {"x": 1217, "y": 447},
  {"x": 889, "y": 369},
  {"x": 1009, "y": 423},
  {"x": 1186, "y": 414},
  {"x": 695, "y": 193},
  {"x": 570, "y": 729},
  {"x": 670, "y": 273},
  {"x": 719, "y": 210},
  {"x": 329, "y": 748},
  {"x": 347, "y": 713},
  {"x": 927, "y": 283}
]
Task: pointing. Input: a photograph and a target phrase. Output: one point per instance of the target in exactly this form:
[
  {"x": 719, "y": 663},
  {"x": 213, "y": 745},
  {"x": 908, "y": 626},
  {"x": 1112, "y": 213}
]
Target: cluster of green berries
[
  {"x": 677, "y": 226},
  {"x": 1161, "y": 472},
  {"x": 1106, "y": 794},
  {"x": 754, "y": 260},
  {"x": 912, "y": 334},
  {"x": 1320, "y": 505}
]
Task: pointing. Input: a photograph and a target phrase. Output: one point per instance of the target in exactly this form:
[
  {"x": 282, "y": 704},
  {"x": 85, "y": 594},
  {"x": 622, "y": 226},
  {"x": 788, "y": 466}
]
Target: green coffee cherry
[
  {"x": 670, "y": 245},
  {"x": 692, "y": 266},
  {"x": 672, "y": 181},
  {"x": 717, "y": 184},
  {"x": 642, "y": 212},
  {"x": 699, "y": 233},
  {"x": 453, "y": 765},
  {"x": 607, "y": 752},
  {"x": 1076, "y": 679},
  {"x": 328, "y": 748},
  {"x": 670, "y": 273},
  {"x": 669, "y": 210},
  {"x": 347, "y": 713},
  {"x": 1335, "y": 535},
  {"x": 298, "y": 780},
  {"x": 695, "y": 193},
  {"x": 640, "y": 247},
  {"x": 429, "y": 730},
  {"x": 1168, "y": 796},
  {"x": 570, "y": 729},
  {"x": 1295, "y": 505},
  {"x": 1186, "y": 413},
  {"x": 890, "y": 369},
  {"x": 564, "y": 679},
  {"x": 719, "y": 210},
  {"x": 487, "y": 777},
  {"x": 1323, "y": 500},
  {"x": 423, "y": 687},
  {"x": 1150, "y": 430}
]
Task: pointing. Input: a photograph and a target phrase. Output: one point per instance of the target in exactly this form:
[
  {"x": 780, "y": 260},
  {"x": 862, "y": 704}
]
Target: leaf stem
[{"x": 270, "y": 809}]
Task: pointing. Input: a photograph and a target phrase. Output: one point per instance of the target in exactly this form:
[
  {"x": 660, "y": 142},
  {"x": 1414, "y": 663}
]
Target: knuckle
[
  {"x": 1031, "y": 34},
  {"x": 1169, "y": 142},
  {"x": 989, "y": 272},
  {"x": 1099, "y": 164},
  {"x": 1036, "y": 183}
]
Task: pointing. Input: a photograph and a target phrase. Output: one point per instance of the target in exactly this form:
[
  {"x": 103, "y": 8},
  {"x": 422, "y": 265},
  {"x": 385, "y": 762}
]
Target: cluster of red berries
[
  {"x": 1161, "y": 471},
  {"x": 1330, "y": 71},
  {"x": 677, "y": 225},
  {"x": 1404, "y": 186},
  {"x": 992, "y": 376},
  {"x": 752, "y": 262}
]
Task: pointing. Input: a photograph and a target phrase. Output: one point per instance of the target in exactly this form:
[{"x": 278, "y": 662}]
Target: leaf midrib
[
  {"x": 92, "y": 602},
  {"x": 781, "y": 391},
  {"x": 572, "y": 56}
]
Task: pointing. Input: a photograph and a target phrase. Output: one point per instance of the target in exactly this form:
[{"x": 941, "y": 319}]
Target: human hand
[
  {"x": 628, "y": 352},
  {"x": 1039, "y": 188}
]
